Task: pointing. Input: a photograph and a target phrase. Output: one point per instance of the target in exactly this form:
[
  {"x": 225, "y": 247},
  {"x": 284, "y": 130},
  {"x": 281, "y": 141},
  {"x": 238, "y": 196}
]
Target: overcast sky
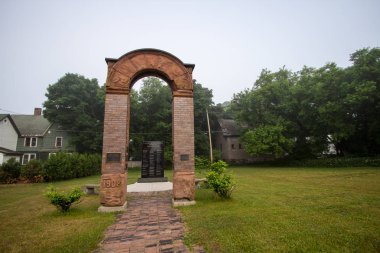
[{"x": 229, "y": 42}]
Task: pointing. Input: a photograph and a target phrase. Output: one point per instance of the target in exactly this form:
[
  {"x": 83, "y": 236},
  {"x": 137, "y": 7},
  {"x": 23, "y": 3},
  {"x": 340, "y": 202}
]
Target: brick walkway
[{"x": 150, "y": 224}]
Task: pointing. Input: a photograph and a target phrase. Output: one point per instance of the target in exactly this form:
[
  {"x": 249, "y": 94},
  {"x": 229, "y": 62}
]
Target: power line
[{"x": 1, "y": 109}]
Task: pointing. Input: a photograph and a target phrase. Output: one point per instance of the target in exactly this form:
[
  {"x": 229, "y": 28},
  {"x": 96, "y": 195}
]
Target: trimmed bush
[
  {"x": 66, "y": 166},
  {"x": 61, "y": 200},
  {"x": 220, "y": 181},
  {"x": 33, "y": 171},
  {"x": 10, "y": 171},
  {"x": 57, "y": 167}
]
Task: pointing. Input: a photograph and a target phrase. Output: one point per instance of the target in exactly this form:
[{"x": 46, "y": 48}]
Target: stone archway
[{"x": 122, "y": 74}]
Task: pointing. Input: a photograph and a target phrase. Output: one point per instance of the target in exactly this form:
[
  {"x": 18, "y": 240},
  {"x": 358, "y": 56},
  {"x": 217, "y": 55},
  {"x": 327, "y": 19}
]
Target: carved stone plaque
[
  {"x": 152, "y": 159},
  {"x": 112, "y": 189}
]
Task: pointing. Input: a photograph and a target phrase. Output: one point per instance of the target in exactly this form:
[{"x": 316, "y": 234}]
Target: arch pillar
[
  {"x": 113, "y": 185},
  {"x": 183, "y": 146}
]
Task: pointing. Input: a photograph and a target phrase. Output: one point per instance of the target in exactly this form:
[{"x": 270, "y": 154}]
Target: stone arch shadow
[{"x": 122, "y": 74}]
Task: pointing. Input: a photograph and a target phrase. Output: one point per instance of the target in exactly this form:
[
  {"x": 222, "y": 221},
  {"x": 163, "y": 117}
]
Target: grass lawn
[
  {"x": 272, "y": 209},
  {"x": 290, "y": 210},
  {"x": 28, "y": 223}
]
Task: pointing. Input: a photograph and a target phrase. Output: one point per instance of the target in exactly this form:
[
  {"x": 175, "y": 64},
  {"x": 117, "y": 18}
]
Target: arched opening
[
  {"x": 150, "y": 124},
  {"x": 122, "y": 75}
]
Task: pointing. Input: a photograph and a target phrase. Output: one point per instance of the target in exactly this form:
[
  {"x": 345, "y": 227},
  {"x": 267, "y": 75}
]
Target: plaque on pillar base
[{"x": 152, "y": 179}]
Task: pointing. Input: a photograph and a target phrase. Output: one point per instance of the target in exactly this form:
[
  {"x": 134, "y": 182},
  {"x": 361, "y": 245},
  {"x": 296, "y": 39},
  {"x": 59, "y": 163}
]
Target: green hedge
[
  {"x": 339, "y": 162},
  {"x": 67, "y": 166},
  {"x": 327, "y": 162},
  {"x": 10, "y": 171},
  {"x": 33, "y": 171},
  {"x": 58, "y": 167}
]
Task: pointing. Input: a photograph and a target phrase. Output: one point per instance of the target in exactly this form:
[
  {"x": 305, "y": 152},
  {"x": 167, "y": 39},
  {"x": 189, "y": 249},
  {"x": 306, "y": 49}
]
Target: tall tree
[
  {"x": 202, "y": 102},
  {"x": 77, "y": 104},
  {"x": 151, "y": 116},
  {"x": 317, "y": 106},
  {"x": 364, "y": 77}
]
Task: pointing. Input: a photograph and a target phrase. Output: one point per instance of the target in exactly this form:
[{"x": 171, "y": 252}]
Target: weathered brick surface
[
  {"x": 150, "y": 224},
  {"x": 183, "y": 148},
  {"x": 116, "y": 127}
]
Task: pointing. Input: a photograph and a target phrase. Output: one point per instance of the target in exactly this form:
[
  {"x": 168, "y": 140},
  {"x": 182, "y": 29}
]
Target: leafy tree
[
  {"x": 151, "y": 116},
  {"x": 77, "y": 104},
  {"x": 266, "y": 140},
  {"x": 202, "y": 102},
  {"x": 364, "y": 79},
  {"x": 317, "y": 106}
]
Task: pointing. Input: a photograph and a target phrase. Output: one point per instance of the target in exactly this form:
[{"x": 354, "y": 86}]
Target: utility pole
[{"x": 209, "y": 137}]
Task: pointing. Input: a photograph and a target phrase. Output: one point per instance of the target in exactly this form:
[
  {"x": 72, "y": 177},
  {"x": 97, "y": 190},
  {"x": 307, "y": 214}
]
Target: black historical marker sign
[
  {"x": 113, "y": 157},
  {"x": 152, "y": 161}
]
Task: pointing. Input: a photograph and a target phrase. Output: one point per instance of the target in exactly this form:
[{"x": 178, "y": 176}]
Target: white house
[{"x": 8, "y": 138}]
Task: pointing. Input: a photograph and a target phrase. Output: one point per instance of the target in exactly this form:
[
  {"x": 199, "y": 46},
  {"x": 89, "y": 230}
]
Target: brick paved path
[{"x": 150, "y": 224}]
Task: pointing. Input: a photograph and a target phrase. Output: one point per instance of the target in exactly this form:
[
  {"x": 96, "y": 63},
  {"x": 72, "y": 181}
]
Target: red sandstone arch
[{"x": 122, "y": 74}]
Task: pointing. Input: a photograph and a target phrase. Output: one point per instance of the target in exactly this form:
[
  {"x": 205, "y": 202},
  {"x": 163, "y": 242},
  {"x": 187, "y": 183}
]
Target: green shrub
[
  {"x": 57, "y": 167},
  {"x": 202, "y": 163},
  {"x": 10, "y": 171},
  {"x": 66, "y": 166},
  {"x": 33, "y": 171},
  {"x": 61, "y": 200},
  {"x": 220, "y": 181}
]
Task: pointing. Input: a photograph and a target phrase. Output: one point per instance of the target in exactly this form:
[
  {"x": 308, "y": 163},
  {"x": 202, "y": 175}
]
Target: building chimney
[{"x": 37, "y": 111}]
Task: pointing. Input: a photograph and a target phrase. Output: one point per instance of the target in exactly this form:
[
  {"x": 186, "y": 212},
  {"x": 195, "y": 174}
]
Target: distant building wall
[{"x": 231, "y": 149}]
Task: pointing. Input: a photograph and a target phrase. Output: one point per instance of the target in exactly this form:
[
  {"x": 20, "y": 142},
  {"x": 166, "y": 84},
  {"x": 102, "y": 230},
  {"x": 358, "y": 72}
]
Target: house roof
[
  {"x": 8, "y": 151},
  {"x": 229, "y": 127},
  {"x": 2, "y": 116},
  {"x": 31, "y": 125}
]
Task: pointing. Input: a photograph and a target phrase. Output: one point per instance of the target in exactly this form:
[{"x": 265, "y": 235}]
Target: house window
[
  {"x": 240, "y": 146},
  {"x": 30, "y": 142},
  {"x": 27, "y": 157},
  {"x": 233, "y": 146},
  {"x": 58, "y": 142}
]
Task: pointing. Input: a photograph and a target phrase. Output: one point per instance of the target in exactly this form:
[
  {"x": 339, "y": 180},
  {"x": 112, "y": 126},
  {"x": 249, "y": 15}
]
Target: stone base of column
[
  {"x": 152, "y": 179},
  {"x": 183, "y": 202},
  {"x": 111, "y": 209}
]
